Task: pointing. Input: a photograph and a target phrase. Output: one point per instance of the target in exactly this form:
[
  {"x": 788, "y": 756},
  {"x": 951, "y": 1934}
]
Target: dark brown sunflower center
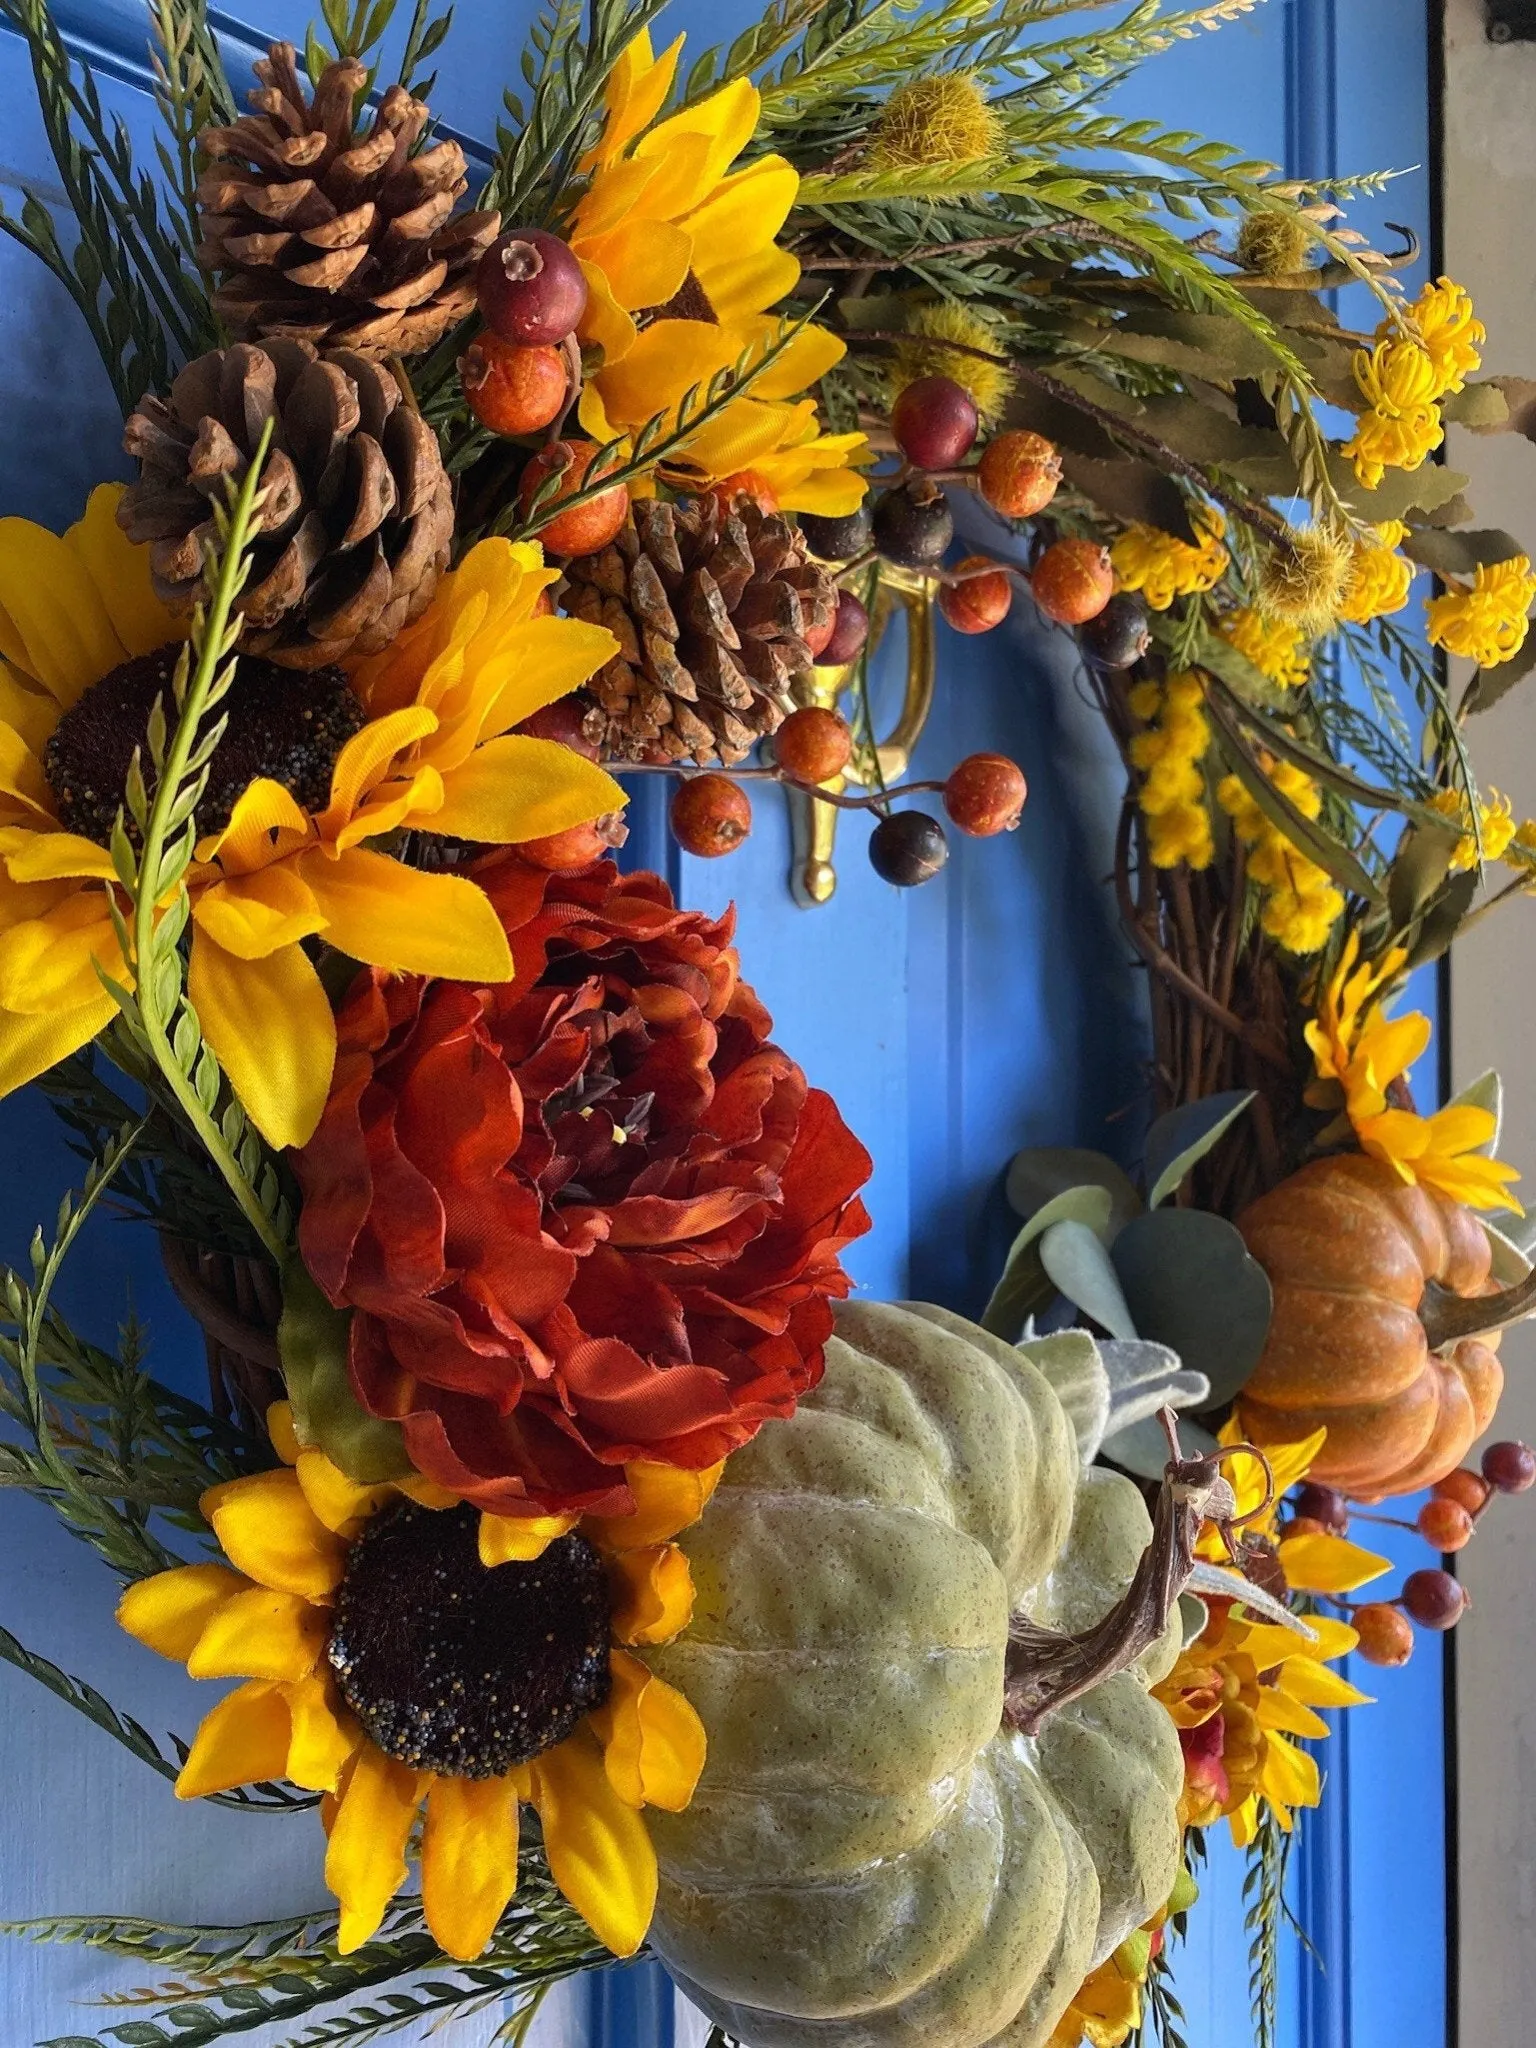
[
  {"x": 457, "y": 1669},
  {"x": 689, "y": 302},
  {"x": 289, "y": 724}
]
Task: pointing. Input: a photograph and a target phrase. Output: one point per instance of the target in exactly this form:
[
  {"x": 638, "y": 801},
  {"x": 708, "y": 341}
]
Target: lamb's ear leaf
[{"x": 1024, "y": 1287}]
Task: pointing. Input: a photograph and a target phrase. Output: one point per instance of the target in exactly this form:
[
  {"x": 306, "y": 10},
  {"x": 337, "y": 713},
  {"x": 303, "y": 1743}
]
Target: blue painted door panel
[{"x": 993, "y": 1009}]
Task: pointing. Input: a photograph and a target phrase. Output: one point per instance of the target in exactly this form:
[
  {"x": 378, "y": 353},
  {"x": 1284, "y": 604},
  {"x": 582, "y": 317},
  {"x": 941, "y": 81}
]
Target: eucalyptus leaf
[
  {"x": 1420, "y": 866},
  {"x": 1024, "y": 1287},
  {"x": 1143, "y": 1449},
  {"x": 1193, "y": 1616},
  {"x": 1190, "y": 1282},
  {"x": 1042, "y": 1172},
  {"x": 1178, "y": 1141},
  {"x": 1075, "y": 1258},
  {"x": 1460, "y": 552},
  {"x": 1483, "y": 407},
  {"x": 312, "y": 1340}
]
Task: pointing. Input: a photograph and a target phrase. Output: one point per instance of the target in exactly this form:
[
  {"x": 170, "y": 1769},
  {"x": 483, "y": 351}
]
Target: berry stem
[
  {"x": 876, "y": 801},
  {"x": 570, "y": 348}
]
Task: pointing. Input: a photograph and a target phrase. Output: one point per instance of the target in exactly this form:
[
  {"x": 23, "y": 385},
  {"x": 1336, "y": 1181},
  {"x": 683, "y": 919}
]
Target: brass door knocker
[{"x": 813, "y": 874}]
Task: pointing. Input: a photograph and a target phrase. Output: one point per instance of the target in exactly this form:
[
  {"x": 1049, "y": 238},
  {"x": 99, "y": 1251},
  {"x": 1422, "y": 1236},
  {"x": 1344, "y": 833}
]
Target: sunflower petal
[
  {"x": 49, "y": 963},
  {"x": 605, "y": 324},
  {"x": 285, "y": 1438},
  {"x": 667, "y": 1501},
  {"x": 468, "y": 1861},
  {"x": 653, "y": 1741},
  {"x": 365, "y": 1862},
  {"x": 600, "y": 1854},
  {"x": 411, "y": 923},
  {"x": 518, "y": 787},
  {"x": 1289, "y": 1776},
  {"x": 1328, "y": 1564},
  {"x": 363, "y": 760},
  {"x": 652, "y": 1594},
  {"x": 58, "y": 856},
  {"x": 30, "y": 1046},
  {"x": 244, "y": 1741},
  {"x": 1277, "y": 1710},
  {"x": 120, "y": 571},
  {"x": 518, "y": 1539},
  {"x": 342, "y": 1504},
  {"x": 56, "y": 627},
  {"x": 252, "y": 915},
  {"x": 260, "y": 1634},
  {"x": 271, "y": 1027},
  {"x": 168, "y": 1613},
  {"x": 266, "y": 824},
  {"x": 321, "y": 1743},
  {"x": 1320, "y": 1687},
  {"x": 268, "y": 1530}
]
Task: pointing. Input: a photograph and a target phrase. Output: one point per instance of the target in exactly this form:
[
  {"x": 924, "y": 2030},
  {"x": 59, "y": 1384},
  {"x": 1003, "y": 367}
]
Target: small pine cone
[
  {"x": 320, "y": 232},
  {"x": 711, "y": 607},
  {"x": 358, "y": 520}
]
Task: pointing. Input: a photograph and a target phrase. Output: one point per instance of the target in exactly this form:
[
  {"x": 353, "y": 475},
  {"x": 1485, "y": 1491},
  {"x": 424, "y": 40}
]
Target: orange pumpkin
[{"x": 1378, "y": 1287}]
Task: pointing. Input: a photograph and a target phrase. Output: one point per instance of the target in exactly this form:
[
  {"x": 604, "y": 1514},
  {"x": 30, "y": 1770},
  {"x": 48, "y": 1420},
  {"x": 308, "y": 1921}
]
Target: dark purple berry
[
  {"x": 840, "y": 539},
  {"x": 850, "y": 629},
  {"x": 1323, "y": 1504},
  {"x": 907, "y": 848},
  {"x": 1119, "y": 636},
  {"x": 1509, "y": 1467},
  {"x": 1434, "y": 1599},
  {"x": 913, "y": 524}
]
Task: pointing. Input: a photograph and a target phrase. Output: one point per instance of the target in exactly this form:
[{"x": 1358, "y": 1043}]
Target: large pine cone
[
  {"x": 711, "y": 608},
  {"x": 358, "y": 520},
  {"x": 326, "y": 234}
]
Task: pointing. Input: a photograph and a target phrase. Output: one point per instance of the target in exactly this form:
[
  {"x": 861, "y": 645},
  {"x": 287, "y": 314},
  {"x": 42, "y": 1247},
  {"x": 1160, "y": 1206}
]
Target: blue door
[{"x": 993, "y": 1009}]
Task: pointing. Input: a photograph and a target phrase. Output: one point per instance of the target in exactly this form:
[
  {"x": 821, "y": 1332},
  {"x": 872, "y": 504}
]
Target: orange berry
[
  {"x": 813, "y": 744},
  {"x": 1470, "y": 1489},
  {"x": 1303, "y": 1525},
  {"x": 1446, "y": 1524},
  {"x": 977, "y": 601},
  {"x": 1386, "y": 1636},
  {"x": 1019, "y": 474},
  {"x": 746, "y": 483},
  {"x": 711, "y": 815},
  {"x": 1073, "y": 581},
  {"x": 985, "y": 794},
  {"x": 578, "y": 846},
  {"x": 585, "y": 527},
  {"x": 513, "y": 390}
]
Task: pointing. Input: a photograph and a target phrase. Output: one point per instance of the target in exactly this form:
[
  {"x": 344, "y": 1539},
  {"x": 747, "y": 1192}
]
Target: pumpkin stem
[
  {"x": 1447, "y": 1317},
  {"x": 1045, "y": 1669}
]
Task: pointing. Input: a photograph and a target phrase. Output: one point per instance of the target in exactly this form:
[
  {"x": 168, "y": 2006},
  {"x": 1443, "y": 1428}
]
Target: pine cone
[
  {"x": 328, "y": 235},
  {"x": 711, "y": 607},
  {"x": 358, "y": 520}
]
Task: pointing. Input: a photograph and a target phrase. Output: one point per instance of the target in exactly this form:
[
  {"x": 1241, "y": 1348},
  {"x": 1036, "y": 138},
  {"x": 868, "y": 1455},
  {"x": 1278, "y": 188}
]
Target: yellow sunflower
[
  {"x": 1359, "y": 1052},
  {"x": 414, "y": 1661},
  {"x": 682, "y": 269},
  {"x": 309, "y": 771},
  {"x": 1313, "y": 1561}
]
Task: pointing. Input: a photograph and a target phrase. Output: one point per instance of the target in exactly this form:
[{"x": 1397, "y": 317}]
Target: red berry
[
  {"x": 1509, "y": 1467},
  {"x": 1323, "y": 1504},
  {"x": 985, "y": 795},
  {"x": 530, "y": 287},
  {"x": 513, "y": 390},
  {"x": 565, "y": 722},
  {"x": 850, "y": 629},
  {"x": 979, "y": 598},
  {"x": 1019, "y": 474},
  {"x": 1434, "y": 1599},
  {"x": 813, "y": 744},
  {"x": 1468, "y": 1488},
  {"x": 711, "y": 815},
  {"x": 1073, "y": 581},
  {"x": 1445, "y": 1524},
  {"x": 934, "y": 421},
  {"x": 746, "y": 483},
  {"x": 1385, "y": 1636},
  {"x": 585, "y": 527},
  {"x": 577, "y": 847}
]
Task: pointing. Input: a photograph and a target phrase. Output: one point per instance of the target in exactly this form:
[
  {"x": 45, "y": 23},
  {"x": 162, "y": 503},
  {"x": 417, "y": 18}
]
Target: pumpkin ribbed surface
[
  {"x": 871, "y": 1857},
  {"x": 1349, "y": 1250}
]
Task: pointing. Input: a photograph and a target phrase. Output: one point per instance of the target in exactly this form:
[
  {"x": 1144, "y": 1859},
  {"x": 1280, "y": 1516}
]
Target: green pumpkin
[{"x": 872, "y": 1856}]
